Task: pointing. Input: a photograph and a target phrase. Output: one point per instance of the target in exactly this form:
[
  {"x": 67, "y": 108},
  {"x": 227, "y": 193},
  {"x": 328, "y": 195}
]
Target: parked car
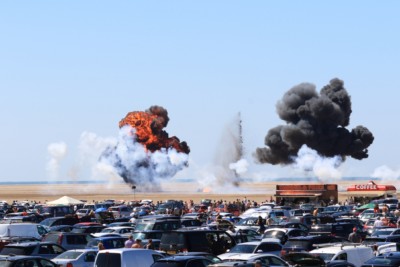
[
  {"x": 22, "y": 229},
  {"x": 272, "y": 246},
  {"x": 109, "y": 242},
  {"x": 304, "y": 259},
  {"x": 283, "y": 234},
  {"x": 201, "y": 240},
  {"x": 43, "y": 249},
  {"x": 25, "y": 261},
  {"x": 68, "y": 240},
  {"x": 126, "y": 257},
  {"x": 190, "y": 260},
  {"x": 76, "y": 258},
  {"x": 305, "y": 243},
  {"x": 356, "y": 255},
  {"x": 384, "y": 260},
  {"x": 209, "y": 256},
  {"x": 120, "y": 230},
  {"x": 269, "y": 260}
]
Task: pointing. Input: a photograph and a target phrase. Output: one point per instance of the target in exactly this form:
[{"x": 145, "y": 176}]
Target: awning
[
  {"x": 370, "y": 193},
  {"x": 297, "y": 195}
]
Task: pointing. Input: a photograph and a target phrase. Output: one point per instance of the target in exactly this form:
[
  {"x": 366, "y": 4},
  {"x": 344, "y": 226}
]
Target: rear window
[
  {"x": 108, "y": 260},
  {"x": 52, "y": 238},
  {"x": 168, "y": 264},
  {"x": 297, "y": 243},
  {"x": 77, "y": 239}
]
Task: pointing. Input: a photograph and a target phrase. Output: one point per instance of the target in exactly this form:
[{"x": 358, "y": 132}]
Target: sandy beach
[{"x": 258, "y": 191}]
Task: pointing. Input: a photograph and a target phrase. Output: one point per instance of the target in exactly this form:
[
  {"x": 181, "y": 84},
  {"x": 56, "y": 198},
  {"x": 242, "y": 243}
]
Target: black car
[
  {"x": 25, "y": 261},
  {"x": 43, "y": 249},
  {"x": 158, "y": 222},
  {"x": 384, "y": 260},
  {"x": 209, "y": 256},
  {"x": 340, "y": 263},
  {"x": 200, "y": 240},
  {"x": 341, "y": 229},
  {"x": 182, "y": 261},
  {"x": 64, "y": 220},
  {"x": 301, "y": 259}
]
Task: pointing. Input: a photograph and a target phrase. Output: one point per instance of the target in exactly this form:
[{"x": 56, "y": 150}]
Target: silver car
[{"x": 76, "y": 258}]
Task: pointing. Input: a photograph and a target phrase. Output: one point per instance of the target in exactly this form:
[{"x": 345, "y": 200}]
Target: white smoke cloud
[
  {"x": 139, "y": 166},
  {"x": 325, "y": 169},
  {"x": 386, "y": 173},
  {"x": 56, "y": 151},
  {"x": 240, "y": 167}
]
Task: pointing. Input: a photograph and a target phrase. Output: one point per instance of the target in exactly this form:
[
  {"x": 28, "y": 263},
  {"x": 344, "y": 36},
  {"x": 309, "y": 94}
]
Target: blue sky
[{"x": 74, "y": 66}]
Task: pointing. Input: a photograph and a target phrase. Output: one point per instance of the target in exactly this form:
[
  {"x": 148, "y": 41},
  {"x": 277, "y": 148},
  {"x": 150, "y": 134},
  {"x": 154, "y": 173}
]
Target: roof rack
[{"x": 337, "y": 244}]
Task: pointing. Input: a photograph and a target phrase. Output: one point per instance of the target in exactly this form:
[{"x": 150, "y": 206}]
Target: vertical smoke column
[
  {"x": 228, "y": 162},
  {"x": 317, "y": 121}
]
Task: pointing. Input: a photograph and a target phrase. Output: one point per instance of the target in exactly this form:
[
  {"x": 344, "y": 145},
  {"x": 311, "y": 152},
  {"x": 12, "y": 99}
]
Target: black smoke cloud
[{"x": 315, "y": 120}]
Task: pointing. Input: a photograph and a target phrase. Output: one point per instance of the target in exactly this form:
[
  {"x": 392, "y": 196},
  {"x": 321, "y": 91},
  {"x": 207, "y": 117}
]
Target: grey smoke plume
[
  {"x": 229, "y": 163},
  {"x": 315, "y": 120}
]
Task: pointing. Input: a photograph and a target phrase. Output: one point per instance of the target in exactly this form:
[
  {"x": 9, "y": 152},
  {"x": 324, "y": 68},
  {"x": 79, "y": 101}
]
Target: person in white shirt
[{"x": 378, "y": 222}]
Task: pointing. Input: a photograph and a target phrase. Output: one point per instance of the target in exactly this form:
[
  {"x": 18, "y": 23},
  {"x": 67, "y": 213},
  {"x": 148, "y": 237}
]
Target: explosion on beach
[
  {"x": 145, "y": 153},
  {"x": 317, "y": 121}
]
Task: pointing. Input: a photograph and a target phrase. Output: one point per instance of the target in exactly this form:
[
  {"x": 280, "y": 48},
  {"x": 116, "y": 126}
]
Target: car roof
[
  {"x": 28, "y": 244},
  {"x": 181, "y": 258},
  {"x": 249, "y": 256}
]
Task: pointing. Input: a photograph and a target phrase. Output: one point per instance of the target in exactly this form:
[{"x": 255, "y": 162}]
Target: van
[
  {"x": 196, "y": 240},
  {"x": 126, "y": 257},
  {"x": 356, "y": 255},
  {"x": 22, "y": 229}
]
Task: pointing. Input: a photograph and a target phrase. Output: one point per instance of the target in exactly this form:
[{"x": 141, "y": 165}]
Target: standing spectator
[
  {"x": 137, "y": 244},
  {"x": 260, "y": 223},
  {"x": 315, "y": 212},
  {"x": 257, "y": 263},
  {"x": 150, "y": 244},
  {"x": 129, "y": 242},
  {"x": 376, "y": 208},
  {"x": 378, "y": 222},
  {"x": 100, "y": 246},
  {"x": 355, "y": 237}
]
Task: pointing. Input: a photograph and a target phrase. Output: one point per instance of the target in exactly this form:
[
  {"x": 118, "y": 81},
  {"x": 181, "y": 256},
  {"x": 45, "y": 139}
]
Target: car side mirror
[{"x": 260, "y": 251}]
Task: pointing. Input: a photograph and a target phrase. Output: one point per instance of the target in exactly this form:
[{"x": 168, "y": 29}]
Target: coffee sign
[{"x": 366, "y": 187}]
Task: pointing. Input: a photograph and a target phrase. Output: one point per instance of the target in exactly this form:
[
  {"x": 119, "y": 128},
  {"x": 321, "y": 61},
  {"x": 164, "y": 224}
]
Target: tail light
[
  {"x": 283, "y": 252},
  {"x": 69, "y": 265},
  {"x": 59, "y": 241}
]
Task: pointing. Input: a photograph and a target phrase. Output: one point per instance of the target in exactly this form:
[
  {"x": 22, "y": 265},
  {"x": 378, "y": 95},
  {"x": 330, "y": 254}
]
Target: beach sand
[{"x": 258, "y": 191}]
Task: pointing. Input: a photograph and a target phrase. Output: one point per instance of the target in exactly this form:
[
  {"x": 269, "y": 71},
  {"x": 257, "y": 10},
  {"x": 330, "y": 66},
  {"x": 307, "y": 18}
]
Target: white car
[
  {"x": 115, "y": 230},
  {"x": 266, "y": 259},
  {"x": 76, "y": 258},
  {"x": 82, "y": 212},
  {"x": 270, "y": 246}
]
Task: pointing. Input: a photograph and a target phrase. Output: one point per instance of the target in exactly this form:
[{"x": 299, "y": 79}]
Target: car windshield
[
  {"x": 107, "y": 230},
  {"x": 138, "y": 236},
  {"x": 383, "y": 261},
  {"x": 69, "y": 255},
  {"x": 5, "y": 263},
  {"x": 325, "y": 256},
  {"x": 242, "y": 248},
  {"x": 332, "y": 208},
  {"x": 274, "y": 234},
  {"x": 382, "y": 232},
  {"x": 144, "y": 226}
]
